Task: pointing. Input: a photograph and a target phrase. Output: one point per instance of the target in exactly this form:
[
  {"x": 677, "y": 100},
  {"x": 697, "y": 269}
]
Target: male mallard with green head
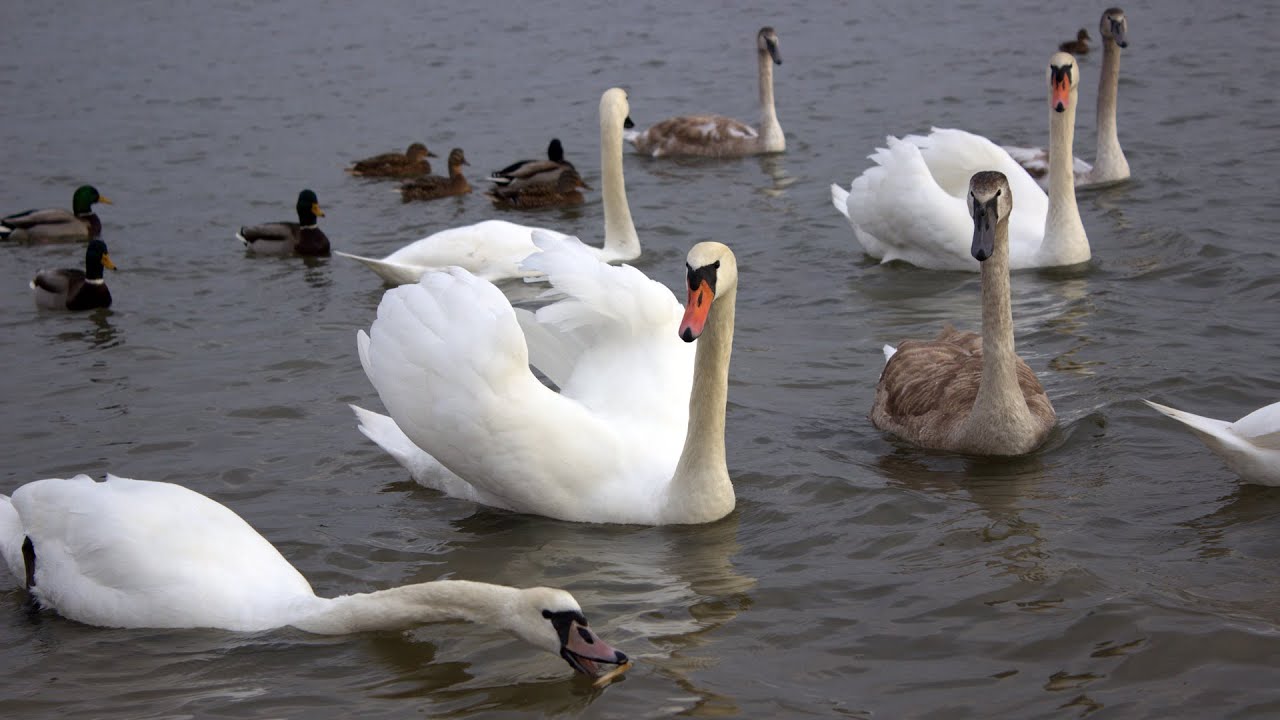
[
  {"x": 56, "y": 224},
  {"x": 286, "y": 238},
  {"x": 73, "y": 289}
]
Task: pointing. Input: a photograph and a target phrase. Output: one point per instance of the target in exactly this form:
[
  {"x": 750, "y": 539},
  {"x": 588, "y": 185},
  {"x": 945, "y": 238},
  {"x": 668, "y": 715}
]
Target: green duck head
[
  {"x": 84, "y": 198},
  {"x": 96, "y": 258},
  {"x": 308, "y": 208}
]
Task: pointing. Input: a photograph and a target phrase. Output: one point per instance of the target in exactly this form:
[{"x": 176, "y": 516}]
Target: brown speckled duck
[
  {"x": 72, "y": 289},
  {"x": 411, "y": 163},
  {"x": 56, "y": 224},
  {"x": 435, "y": 186},
  {"x": 1079, "y": 46},
  {"x": 286, "y": 238},
  {"x": 560, "y": 191}
]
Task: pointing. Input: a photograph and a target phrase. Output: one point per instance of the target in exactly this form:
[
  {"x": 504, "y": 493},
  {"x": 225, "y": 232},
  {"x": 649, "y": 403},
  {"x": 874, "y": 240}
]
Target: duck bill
[
  {"x": 105, "y": 201},
  {"x": 106, "y": 262},
  {"x": 587, "y": 653},
  {"x": 984, "y": 236},
  {"x": 315, "y": 210},
  {"x": 696, "y": 311}
]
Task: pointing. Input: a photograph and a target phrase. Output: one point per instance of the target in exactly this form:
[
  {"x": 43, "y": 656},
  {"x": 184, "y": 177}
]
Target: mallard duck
[
  {"x": 717, "y": 135},
  {"x": 284, "y": 238},
  {"x": 562, "y": 191},
  {"x": 412, "y": 163},
  {"x": 1079, "y": 46},
  {"x": 138, "y": 554},
  {"x": 535, "y": 170},
  {"x": 54, "y": 224},
  {"x": 435, "y": 186},
  {"x": 72, "y": 289}
]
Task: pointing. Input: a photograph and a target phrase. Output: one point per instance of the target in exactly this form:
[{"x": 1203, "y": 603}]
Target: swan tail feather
[
  {"x": 11, "y": 538},
  {"x": 1209, "y": 426},
  {"x": 840, "y": 198},
  {"x": 392, "y": 273}
]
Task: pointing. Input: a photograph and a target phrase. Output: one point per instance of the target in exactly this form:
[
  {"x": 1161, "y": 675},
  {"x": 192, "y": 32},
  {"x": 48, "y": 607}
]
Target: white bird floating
[
  {"x": 139, "y": 554},
  {"x": 1249, "y": 446},
  {"x": 636, "y": 433}
]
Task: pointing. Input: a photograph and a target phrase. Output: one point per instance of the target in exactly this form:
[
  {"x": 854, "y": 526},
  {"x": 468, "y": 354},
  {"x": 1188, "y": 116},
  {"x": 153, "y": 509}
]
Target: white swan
[
  {"x": 1110, "y": 164},
  {"x": 717, "y": 135},
  {"x": 139, "y": 554},
  {"x": 1249, "y": 446},
  {"x": 963, "y": 392},
  {"x": 625, "y": 441},
  {"x": 912, "y": 205},
  {"x": 494, "y": 249}
]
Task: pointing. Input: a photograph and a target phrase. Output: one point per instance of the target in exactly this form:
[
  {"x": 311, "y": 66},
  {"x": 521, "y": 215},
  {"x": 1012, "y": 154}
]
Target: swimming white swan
[
  {"x": 1249, "y": 446},
  {"x": 717, "y": 135},
  {"x": 493, "y": 249},
  {"x": 964, "y": 392},
  {"x": 625, "y": 441},
  {"x": 1110, "y": 164},
  {"x": 912, "y": 205},
  {"x": 139, "y": 554}
]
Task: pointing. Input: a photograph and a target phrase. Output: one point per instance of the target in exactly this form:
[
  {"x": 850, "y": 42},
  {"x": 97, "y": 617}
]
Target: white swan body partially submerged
[
  {"x": 912, "y": 205},
  {"x": 137, "y": 554},
  {"x": 625, "y": 441},
  {"x": 963, "y": 392},
  {"x": 717, "y": 135},
  {"x": 1249, "y": 446},
  {"x": 495, "y": 249},
  {"x": 1109, "y": 165}
]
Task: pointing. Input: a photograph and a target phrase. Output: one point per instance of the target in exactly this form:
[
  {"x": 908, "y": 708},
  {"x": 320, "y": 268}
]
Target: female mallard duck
[
  {"x": 138, "y": 554},
  {"x": 435, "y": 186},
  {"x": 71, "y": 289},
  {"x": 536, "y": 171},
  {"x": 54, "y": 224},
  {"x": 717, "y": 135},
  {"x": 963, "y": 392},
  {"x": 412, "y": 163},
  {"x": 284, "y": 238},
  {"x": 561, "y": 190},
  {"x": 1109, "y": 163},
  {"x": 1079, "y": 46},
  {"x": 1249, "y": 446}
]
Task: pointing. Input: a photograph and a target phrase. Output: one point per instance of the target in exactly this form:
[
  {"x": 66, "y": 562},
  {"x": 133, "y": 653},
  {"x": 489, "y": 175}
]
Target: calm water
[{"x": 1120, "y": 572}]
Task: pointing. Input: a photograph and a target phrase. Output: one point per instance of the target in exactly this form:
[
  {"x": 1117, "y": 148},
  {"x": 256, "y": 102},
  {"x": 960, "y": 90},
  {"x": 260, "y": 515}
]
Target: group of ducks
[{"x": 452, "y": 361}]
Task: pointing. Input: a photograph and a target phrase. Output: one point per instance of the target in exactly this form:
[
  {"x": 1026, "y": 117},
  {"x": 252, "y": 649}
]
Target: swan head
[
  {"x": 990, "y": 203},
  {"x": 615, "y": 111},
  {"x": 1114, "y": 27},
  {"x": 711, "y": 270},
  {"x": 1063, "y": 76},
  {"x": 551, "y": 619},
  {"x": 767, "y": 42}
]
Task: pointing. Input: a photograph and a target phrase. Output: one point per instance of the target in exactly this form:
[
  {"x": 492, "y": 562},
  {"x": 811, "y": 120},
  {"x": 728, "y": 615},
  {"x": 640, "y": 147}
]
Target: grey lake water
[{"x": 1121, "y": 571}]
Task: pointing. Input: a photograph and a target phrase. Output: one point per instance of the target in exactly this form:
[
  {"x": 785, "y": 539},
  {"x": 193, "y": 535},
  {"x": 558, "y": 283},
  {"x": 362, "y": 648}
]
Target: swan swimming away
[
  {"x": 1110, "y": 164},
  {"x": 1249, "y": 446},
  {"x": 912, "y": 204},
  {"x": 963, "y": 392},
  {"x": 138, "y": 554},
  {"x": 717, "y": 135},
  {"x": 636, "y": 433},
  {"x": 494, "y": 249}
]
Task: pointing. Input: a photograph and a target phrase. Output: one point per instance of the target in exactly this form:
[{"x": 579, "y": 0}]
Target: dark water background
[{"x": 1121, "y": 572}]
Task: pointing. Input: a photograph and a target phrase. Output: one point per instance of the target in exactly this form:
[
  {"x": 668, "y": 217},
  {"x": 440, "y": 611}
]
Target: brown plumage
[
  {"x": 561, "y": 191},
  {"x": 964, "y": 392},
  {"x": 411, "y": 163},
  {"x": 435, "y": 186},
  {"x": 1079, "y": 46}
]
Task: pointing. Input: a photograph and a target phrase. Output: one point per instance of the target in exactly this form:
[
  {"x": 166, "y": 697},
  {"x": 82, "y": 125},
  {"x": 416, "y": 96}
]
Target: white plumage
[{"x": 1249, "y": 446}]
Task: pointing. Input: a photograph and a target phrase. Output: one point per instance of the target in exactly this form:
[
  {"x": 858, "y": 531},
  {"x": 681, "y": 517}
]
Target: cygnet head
[
  {"x": 767, "y": 42},
  {"x": 1063, "y": 77},
  {"x": 711, "y": 271},
  {"x": 550, "y": 619},
  {"x": 1114, "y": 27},
  {"x": 990, "y": 203}
]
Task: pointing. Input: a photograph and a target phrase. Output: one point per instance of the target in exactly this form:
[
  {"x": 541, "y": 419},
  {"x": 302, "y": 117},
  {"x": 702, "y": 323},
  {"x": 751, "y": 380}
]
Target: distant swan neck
[
  {"x": 1065, "y": 242},
  {"x": 411, "y": 605},
  {"x": 701, "y": 490},
  {"x": 620, "y": 239},
  {"x": 1109, "y": 161},
  {"x": 770, "y": 131}
]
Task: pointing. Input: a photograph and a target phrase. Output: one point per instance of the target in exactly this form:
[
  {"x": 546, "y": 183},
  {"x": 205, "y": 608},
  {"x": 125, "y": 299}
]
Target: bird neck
[
  {"x": 411, "y": 605},
  {"x": 770, "y": 131},
  {"x": 620, "y": 239},
  {"x": 701, "y": 490},
  {"x": 1109, "y": 162},
  {"x": 1065, "y": 242}
]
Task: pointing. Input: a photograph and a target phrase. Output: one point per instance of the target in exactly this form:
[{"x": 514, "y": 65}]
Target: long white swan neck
[
  {"x": 1065, "y": 242},
  {"x": 411, "y": 605},
  {"x": 770, "y": 131},
  {"x": 1109, "y": 161},
  {"x": 1000, "y": 407},
  {"x": 701, "y": 489},
  {"x": 620, "y": 239}
]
